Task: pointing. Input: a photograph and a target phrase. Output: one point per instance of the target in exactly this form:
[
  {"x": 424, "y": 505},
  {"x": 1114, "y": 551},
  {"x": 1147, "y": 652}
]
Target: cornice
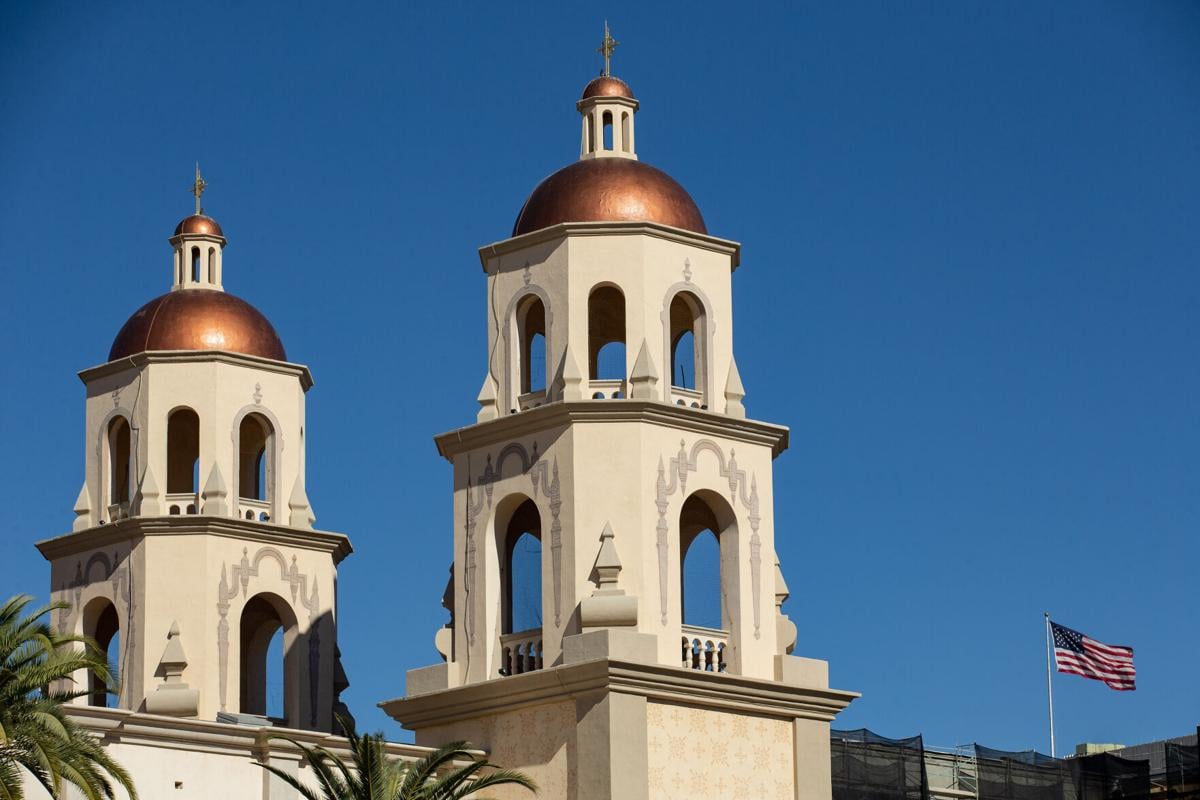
[
  {"x": 656, "y": 229},
  {"x": 152, "y": 730},
  {"x": 535, "y": 420},
  {"x": 139, "y": 360},
  {"x": 652, "y": 681},
  {"x": 335, "y": 544}
]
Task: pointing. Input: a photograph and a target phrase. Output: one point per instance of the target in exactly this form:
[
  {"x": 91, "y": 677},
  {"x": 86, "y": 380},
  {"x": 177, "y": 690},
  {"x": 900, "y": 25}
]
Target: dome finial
[
  {"x": 198, "y": 188},
  {"x": 607, "y": 46}
]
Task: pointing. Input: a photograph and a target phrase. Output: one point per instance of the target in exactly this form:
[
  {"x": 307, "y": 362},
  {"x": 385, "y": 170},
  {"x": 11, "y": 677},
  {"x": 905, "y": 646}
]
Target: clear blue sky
[{"x": 969, "y": 285}]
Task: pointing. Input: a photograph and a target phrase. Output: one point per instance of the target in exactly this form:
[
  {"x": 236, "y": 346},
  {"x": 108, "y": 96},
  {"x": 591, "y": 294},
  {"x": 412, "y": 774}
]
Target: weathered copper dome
[
  {"x": 199, "y": 223},
  {"x": 198, "y": 319},
  {"x": 609, "y": 190},
  {"x": 606, "y": 86}
]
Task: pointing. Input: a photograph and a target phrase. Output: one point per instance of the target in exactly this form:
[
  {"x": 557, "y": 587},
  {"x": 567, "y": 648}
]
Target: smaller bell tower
[{"x": 193, "y": 559}]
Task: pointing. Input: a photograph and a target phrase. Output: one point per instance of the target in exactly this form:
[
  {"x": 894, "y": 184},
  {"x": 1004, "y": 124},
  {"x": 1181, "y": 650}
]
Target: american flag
[{"x": 1082, "y": 655}]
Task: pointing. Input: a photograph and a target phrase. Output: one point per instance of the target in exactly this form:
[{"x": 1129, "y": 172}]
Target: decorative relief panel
[
  {"x": 544, "y": 479},
  {"x": 752, "y": 756},
  {"x": 680, "y": 466},
  {"x": 238, "y": 579},
  {"x": 98, "y": 568}
]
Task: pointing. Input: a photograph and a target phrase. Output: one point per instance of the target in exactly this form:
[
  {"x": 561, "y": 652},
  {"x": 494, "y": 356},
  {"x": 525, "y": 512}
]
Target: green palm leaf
[
  {"x": 369, "y": 774},
  {"x": 36, "y": 735}
]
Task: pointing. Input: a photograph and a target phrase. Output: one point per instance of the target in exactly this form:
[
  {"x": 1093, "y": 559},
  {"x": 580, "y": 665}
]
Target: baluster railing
[
  {"x": 704, "y": 649},
  {"x": 521, "y": 652}
]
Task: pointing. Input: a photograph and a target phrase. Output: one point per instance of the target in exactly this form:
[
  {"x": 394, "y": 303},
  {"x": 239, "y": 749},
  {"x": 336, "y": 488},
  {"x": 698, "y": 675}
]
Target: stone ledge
[
  {"x": 536, "y": 420},
  {"x": 336, "y": 544},
  {"x": 652, "y": 681},
  {"x": 656, "y": 229},
  {"x": 139, "y": 360}
]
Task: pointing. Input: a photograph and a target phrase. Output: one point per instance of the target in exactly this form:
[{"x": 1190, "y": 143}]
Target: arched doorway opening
[
  {"x": 708, "y": 581},
  {"x": 103, "y": 626},
  {"x": 269, "y": 661}
]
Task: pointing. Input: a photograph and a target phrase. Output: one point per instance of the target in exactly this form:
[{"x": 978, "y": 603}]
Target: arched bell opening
[
  {"x": 118, "y": 477},
  {"x": 103, "y": 626},
  {"x": 270, "y": 660},
  {"x": 708, "y": 582},
  {"x": 606, "y": 342},
  {"x": 688, "y": 340},
  {"x": 255, "y": 467},
  {"x": 528, "y": 361},
  {"x": 183, "y": 461},
  {"x": 519, "y": 548}
]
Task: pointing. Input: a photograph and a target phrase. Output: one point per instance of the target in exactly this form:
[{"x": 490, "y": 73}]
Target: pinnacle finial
[
  {"x": 607, "y": 46},
  {"x": 198, "y": 187}
]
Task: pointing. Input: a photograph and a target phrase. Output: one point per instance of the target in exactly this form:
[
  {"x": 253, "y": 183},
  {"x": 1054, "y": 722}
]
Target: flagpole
[{"x": 1049, "y": 685}]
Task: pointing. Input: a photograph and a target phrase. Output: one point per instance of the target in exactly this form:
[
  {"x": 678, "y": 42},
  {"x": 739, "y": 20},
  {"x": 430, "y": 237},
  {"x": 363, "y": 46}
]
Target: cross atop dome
[
  {"x": 198, "y": 188},
  {"x": 607, "y": 46}
]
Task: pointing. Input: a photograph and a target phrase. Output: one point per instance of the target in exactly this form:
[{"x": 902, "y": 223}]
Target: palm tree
[
  {"x": 35, "y": 732},
  {"x": 371, "y": 775}
]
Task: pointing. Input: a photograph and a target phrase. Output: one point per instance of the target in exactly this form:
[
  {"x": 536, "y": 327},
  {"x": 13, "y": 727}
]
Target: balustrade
[
  {"x": 689, "y": 398},
  {"x": 178, "y": 503},
  {"x": 607, "y": 389},
  {"x": 255, "y": 510},
  {"x": 521, "y": 652},
  {"x": 704, "y": 648},
  {"x": 531, "y": 400}
]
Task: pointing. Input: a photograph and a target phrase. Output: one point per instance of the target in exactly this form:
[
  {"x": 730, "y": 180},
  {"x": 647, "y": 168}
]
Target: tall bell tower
[
  {"x": 193, "y": 547},
  {"x": 612, "y": 441}
]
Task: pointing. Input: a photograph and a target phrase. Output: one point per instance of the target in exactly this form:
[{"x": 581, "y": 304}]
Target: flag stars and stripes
[{"x": 1078, "y": 654}]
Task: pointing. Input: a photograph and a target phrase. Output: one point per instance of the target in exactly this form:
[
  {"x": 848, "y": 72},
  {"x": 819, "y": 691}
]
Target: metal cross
[
  {"x": 198, "y": 187},
  {"x": 607, "y": 47}
]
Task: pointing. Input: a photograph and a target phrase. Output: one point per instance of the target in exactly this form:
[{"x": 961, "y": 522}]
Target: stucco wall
[{"x": 695, "y": 752}]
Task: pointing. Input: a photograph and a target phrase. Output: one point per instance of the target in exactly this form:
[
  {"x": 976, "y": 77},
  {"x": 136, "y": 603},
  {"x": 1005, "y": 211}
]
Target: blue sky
[{"x": 969, "y": 285}]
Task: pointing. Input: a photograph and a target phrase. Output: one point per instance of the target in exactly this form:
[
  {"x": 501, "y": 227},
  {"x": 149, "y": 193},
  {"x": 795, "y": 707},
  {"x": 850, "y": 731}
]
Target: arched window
[
  {"x": 531, "y": 344},
  {"x": 606, "y": 334},
  {"x": 183, "y": 453},
  {"x": 212, "y": 265},
  {"x": 589, "y": 128},
  {"x": 100, "y": 623},
  {"x": 607, "y": 119},
  {"x": 700, "y": 554},
  {"x": 626, "y": 133},
  {"x": 523, "y": 570},
  {"x": 687, "y": 342},
  {"x": 195, "y": 265},
  {"x": 255, "y": 443},
  {"x": 269, "y": 659},
  {"x": 119, "y": 443},
  {"x": 708, "y": 580}
]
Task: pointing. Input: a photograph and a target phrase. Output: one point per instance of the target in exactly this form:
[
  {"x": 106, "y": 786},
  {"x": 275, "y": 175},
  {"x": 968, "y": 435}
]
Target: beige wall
[
  {"x": 696, "y": 752},
  {"x": 538, "y": 740}
]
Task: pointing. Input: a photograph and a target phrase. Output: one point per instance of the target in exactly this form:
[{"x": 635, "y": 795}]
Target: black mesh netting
[
  {"x": 1020, "y": 775},
  {"x": 1108, "y": 777},
  {"x": 867, "y": 766},
  {"x": 1182, "y": 771}
]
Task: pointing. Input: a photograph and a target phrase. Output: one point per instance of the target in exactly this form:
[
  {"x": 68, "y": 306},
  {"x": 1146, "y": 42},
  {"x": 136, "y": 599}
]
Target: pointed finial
[
  {"x": 607, "y": 46},
  {"x": 198, "y": 187}
]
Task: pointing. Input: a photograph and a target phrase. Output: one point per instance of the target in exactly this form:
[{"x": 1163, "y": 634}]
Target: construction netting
[
  {"x": 1019, "y": 775},
  {"x": 867, "y": 766},
  {"x": 1107, "y": 777},
  {"x": 1181, "y": 776}
]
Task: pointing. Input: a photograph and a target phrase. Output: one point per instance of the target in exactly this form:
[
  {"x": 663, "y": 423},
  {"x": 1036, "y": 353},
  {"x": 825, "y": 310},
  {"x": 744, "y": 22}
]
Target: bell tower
[
  {"x": 612, "y": 443},
  {"x": 193, "y": 557}
]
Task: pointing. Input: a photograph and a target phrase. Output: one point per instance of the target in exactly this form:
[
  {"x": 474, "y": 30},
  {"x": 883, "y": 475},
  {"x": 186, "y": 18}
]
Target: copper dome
[
  {"x": 606, "y": 86},
  {"x": 609, "y": 190},
  {"x": 199, "y": 223},
  {"x": 198, "y": 319}
]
